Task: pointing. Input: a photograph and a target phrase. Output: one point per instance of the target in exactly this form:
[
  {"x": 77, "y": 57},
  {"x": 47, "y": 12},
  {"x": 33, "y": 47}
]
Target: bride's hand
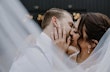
[{"x": 59, "y": 38}]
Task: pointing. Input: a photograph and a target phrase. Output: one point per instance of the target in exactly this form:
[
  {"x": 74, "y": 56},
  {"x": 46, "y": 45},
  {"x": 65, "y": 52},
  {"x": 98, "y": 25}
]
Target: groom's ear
[{"x": 54, "y": 21}]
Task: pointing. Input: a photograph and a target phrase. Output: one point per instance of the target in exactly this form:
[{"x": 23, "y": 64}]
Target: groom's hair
[{"x": 58, "y": 13}]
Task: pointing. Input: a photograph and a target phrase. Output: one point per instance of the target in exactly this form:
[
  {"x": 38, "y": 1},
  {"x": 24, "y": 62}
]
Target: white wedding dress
[{"x": 16, "y": 26}]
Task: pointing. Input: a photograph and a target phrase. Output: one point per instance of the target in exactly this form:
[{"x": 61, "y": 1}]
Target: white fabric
[
  {"x": 32, "y": 60},
  {"x": 37, "y": 59},
  {"x": 45, "y": 43},
  {"x": 15, "y": 26}
]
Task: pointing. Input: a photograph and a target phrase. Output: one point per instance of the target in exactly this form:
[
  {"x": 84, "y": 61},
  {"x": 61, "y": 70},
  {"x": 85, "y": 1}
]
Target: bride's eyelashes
[{"x": 76, "y": 32}]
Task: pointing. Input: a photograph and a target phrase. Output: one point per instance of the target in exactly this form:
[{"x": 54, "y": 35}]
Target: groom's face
[{"x": 67, "y": 23}]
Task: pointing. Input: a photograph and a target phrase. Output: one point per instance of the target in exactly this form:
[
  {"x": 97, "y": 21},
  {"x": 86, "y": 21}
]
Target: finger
[
  {"x": 56, "y": 34},
  {"x": 68, "y": 40},
  {"x": 64, "y": 33},
  {"x": 59, "y": 31},
  {"x": 52, "y": 36}
]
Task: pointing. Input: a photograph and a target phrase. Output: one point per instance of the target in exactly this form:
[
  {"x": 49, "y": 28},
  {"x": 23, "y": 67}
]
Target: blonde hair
[{"x": 59, "y": 13}]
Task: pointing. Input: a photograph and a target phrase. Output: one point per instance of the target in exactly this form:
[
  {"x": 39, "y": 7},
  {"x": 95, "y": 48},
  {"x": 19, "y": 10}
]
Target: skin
[
  {"x": 65, "y": 22},
  {"x": 61, "y": 30},
  {"x": 71, "y": 46},
  {"x": 75, "y": 35},
  {"x": 85, "y": 45},
  {"x": 66, "y": 44}
]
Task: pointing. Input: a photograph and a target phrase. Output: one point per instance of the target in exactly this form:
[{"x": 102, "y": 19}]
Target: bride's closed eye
[{"x": 76, "y": 32}]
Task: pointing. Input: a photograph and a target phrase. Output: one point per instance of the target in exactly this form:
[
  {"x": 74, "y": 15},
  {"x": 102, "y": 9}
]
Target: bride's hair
[{"x": 95, "y": 25}]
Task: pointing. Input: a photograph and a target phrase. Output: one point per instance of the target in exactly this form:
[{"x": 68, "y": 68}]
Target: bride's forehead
[{"x": 76, "y": 23}]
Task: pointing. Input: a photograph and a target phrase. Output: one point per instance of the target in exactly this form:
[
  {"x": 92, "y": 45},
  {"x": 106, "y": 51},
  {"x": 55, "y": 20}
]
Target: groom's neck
[{"x": 48, "y": 30}]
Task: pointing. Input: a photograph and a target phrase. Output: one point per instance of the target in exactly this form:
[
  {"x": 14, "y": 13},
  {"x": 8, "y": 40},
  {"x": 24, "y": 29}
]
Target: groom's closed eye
[{"x": 71, "y": 24}]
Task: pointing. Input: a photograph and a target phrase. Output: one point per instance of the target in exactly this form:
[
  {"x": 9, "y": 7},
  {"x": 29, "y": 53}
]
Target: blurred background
[{"x": 36, "y": 8}]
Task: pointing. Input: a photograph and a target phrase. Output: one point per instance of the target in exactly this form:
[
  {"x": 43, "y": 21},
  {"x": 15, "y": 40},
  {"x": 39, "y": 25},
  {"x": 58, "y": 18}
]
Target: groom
[{"x": 39, "y": 58}]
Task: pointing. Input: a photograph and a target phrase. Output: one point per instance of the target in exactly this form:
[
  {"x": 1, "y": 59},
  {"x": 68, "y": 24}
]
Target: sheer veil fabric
[{"x": 16, "y": 26}]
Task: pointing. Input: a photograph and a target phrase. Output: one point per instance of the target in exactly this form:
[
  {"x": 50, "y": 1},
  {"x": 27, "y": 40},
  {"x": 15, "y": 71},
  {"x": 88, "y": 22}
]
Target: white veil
[{"x": 16, "y": 26}]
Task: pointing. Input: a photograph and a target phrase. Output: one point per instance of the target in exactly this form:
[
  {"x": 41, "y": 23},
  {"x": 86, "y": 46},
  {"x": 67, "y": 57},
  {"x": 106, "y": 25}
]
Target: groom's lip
[{"x": 72, "y": 40}]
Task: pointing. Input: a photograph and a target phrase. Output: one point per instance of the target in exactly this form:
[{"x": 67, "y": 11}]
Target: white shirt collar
[
  {"x": 45, "y": 43},
  {"x": 43, "y": 40}
]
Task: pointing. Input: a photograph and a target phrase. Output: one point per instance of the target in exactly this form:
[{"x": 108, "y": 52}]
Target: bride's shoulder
[{"x": 72, "y": 50}]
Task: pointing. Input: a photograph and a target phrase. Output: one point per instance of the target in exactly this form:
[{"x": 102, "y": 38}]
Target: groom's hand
[{"x": 59, "y": 37}]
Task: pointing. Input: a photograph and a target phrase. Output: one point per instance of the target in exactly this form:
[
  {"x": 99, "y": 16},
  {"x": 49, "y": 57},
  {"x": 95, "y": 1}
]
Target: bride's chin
[{"x": 72, "y": 43}]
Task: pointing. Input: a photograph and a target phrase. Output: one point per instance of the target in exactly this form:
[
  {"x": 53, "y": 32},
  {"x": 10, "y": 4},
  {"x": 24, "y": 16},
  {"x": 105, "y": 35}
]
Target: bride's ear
[
  {"x": 94, "y": 43},
  {"x": 54, "y": 21}
]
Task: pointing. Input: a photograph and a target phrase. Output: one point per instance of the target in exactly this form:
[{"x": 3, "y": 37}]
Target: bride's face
[
  {"x": 74, "y": 35},
  {"x": 76, "y": 41},
  {"x": 83, "y": 41}
]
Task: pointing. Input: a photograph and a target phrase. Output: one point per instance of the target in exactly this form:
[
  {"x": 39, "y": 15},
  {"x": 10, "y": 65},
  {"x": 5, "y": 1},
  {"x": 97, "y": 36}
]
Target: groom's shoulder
[
  {"x": 33, "y": 50},
  {"x": 27, "y": 61},
  {"x": 32, "y": 53}
]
